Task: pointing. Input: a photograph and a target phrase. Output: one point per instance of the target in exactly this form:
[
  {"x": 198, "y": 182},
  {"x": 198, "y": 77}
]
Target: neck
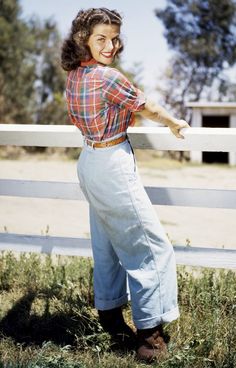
[{"x": 89, "y": 62}]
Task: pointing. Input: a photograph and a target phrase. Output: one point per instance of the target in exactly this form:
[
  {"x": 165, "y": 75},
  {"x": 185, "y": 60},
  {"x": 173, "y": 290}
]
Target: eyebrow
[{"x": 101, "y": 35}]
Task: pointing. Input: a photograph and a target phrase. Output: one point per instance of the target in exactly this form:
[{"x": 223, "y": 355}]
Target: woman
[{"x": 130, "y": 248}]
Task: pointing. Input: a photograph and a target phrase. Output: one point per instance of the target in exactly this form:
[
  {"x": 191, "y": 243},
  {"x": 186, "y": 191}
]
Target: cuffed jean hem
[
  {"x": 110, "y": 304},
  {"x": 155, "y": 321}
]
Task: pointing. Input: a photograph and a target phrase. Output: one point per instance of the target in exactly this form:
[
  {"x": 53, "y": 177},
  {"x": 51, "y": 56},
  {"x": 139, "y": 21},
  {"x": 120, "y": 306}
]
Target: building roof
[{"x": 206, "y": 104}]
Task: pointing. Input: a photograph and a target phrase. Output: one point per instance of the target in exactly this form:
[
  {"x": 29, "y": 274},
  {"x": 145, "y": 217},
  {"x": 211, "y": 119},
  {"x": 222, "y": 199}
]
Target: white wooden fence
[{"x": 197, "y": 139}]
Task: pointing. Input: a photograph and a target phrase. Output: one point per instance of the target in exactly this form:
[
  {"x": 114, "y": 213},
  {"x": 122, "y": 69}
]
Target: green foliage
[
  {"x": 47, "y": 317},
  {"x": 50, "y": 78},
  {"x": 16, "y": 66},
  {"x": 32, "y": 82},
  {"x": 202, "y": 36},
  {"x": 203, "y": 31}
]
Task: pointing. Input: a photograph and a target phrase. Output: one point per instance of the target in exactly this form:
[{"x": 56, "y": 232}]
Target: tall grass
[{"x": 47, "y": 317}]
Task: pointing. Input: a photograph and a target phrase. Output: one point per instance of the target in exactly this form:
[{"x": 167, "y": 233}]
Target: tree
[
  {"x": 32, "y": 82},
  {"x": 202, "y": 35},
  {"x": 17, "y": 69},
  {"x": 50, "y": 105}
]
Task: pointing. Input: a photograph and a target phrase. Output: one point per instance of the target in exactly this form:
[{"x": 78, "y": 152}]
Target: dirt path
[{"x": 197, "y": 226}]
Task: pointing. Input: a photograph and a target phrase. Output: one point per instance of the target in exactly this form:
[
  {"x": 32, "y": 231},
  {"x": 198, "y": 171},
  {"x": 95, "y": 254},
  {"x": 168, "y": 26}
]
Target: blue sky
[{"x": 142, "y": 31}]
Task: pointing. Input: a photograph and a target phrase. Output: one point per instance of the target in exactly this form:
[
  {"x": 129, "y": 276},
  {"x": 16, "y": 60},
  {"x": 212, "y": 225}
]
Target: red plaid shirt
[{"x": 101, "y": 101}]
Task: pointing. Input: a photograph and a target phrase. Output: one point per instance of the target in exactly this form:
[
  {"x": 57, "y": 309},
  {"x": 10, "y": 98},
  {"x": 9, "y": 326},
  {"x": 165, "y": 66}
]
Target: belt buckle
[{"x": 89, "y": 142}]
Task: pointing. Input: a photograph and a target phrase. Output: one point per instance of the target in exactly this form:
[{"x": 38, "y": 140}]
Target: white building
[{"x": 213, "y": 115}]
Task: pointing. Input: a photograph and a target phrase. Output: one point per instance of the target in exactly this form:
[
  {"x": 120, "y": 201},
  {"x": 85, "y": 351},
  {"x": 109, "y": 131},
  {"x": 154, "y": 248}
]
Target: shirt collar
[{"x": 89, "y": 63}]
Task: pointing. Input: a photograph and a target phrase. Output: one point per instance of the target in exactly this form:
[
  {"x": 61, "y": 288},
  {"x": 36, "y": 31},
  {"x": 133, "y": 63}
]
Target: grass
[{"x": 47, "y": 317}]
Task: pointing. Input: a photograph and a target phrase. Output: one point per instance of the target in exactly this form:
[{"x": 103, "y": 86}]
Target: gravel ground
[{"x": 195, "y": 226}]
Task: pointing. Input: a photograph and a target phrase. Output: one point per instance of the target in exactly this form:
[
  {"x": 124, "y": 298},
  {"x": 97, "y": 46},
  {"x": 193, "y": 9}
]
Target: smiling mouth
[{"x": 108, "y": 56}]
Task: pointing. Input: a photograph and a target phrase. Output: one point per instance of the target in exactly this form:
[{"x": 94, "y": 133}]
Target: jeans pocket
[{"x": 132, "y": 172}]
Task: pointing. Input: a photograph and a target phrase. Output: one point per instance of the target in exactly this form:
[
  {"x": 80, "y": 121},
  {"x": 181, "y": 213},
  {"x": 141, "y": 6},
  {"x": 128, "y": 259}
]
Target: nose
[{"x": 109, "y": 46}]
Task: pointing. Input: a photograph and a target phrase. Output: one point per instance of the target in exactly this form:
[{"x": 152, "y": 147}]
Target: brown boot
[
  {"x": 152, "y": 344},
  {"x": 112, "y": 321}
]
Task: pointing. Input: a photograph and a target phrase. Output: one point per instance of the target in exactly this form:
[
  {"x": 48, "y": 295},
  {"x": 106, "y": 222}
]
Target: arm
[{"x": 158, "y": 114}]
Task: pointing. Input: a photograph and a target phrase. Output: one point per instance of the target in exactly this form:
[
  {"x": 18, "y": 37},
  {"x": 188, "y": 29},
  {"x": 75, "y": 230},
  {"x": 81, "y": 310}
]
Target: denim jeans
[{"x": 133, "y": 258}]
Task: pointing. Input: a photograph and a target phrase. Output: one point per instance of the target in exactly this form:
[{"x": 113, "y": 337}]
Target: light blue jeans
[{"x": 133, "y": 258}]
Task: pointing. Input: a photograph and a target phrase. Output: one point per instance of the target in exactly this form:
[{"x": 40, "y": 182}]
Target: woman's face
[{"x": 104, "y": 42}]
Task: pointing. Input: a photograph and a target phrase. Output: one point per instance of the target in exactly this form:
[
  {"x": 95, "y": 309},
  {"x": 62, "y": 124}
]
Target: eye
[
  {"x": 116, "y": 40},
  {"x": 101, "y": 39}
]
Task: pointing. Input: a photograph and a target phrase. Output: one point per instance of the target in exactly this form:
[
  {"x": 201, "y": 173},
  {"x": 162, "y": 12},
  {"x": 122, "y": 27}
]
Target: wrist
[{"x": 172, "y": 122}]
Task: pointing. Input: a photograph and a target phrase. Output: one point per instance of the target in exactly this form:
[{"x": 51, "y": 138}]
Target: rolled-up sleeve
[{"x": 118, "y": 90}]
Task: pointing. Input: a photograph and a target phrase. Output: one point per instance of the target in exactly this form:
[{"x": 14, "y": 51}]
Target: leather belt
[{"x": 106, "y": 144}]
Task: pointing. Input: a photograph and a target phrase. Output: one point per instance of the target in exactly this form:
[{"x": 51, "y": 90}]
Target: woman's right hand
[{"x": 176, "y": 127}]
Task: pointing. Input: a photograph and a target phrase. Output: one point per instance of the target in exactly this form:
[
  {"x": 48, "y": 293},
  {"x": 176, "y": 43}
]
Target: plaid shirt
[{"x": 101, "y": 101}]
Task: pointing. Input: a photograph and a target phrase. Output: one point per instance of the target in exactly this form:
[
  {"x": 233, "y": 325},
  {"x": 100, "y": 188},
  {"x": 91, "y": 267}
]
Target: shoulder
[{"x": 113, "y": 74}]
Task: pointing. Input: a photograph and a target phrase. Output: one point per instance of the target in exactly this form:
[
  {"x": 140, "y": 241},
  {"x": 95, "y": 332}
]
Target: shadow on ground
[{"x": 61, "y": 328}]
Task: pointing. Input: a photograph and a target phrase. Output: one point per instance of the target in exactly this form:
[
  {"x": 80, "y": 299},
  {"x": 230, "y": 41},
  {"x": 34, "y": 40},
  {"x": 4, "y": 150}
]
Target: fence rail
[
  {"x": 201, "y": 139},
  {"x": 196, "y": 139},
  {"x": 187, "y": 197}
]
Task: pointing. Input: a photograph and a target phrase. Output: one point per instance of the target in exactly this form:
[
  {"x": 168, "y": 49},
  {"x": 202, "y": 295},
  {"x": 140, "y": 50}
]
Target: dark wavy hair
[{"x": 74, "y": 48}]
